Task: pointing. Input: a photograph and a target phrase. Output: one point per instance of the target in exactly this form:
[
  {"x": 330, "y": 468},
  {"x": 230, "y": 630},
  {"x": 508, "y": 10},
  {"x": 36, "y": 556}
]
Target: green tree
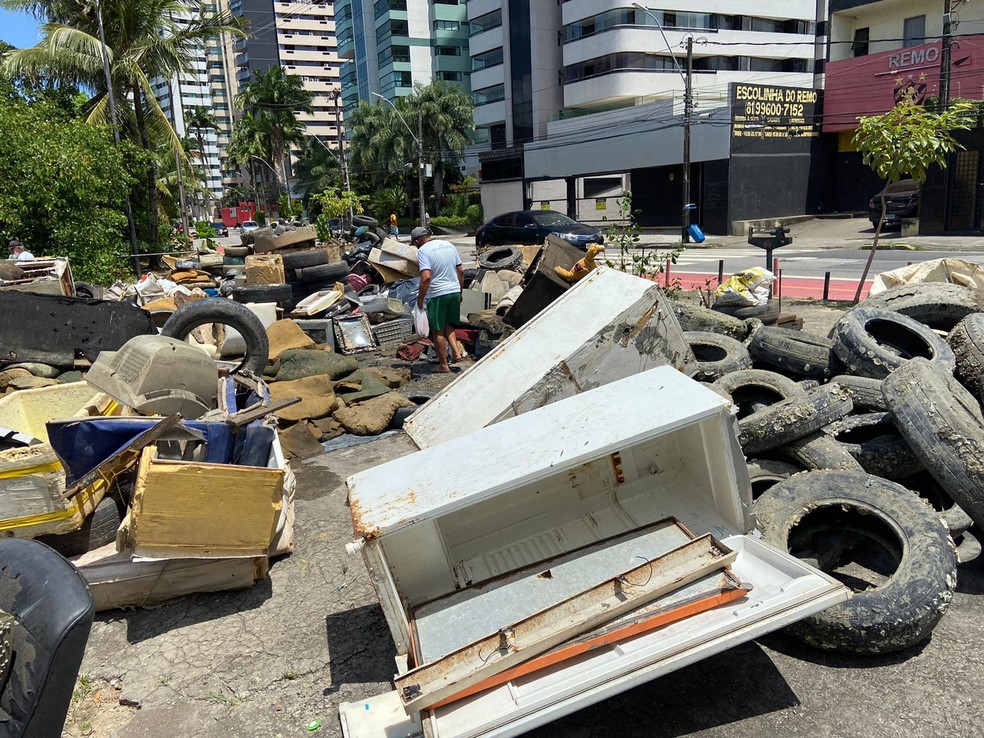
[
  {"x": 249, "y": 144},
  {"x": 201, "y": 119},
  {"x": 334, "y": 203},
  {"x": 907, "y": 141},
  {"x": 448, "y": 119},
  {"x": 146, "y": 39},
  {"x": 317, "y": 169},
  {"x": 273, "y": 99},
  {"x": 62, "y": 185},
  {"x": 384, "y": 136}
]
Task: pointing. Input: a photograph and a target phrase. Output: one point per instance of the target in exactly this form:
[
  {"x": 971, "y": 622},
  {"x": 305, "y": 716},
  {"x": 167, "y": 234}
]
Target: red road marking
[{"x": 812, "y": 287}]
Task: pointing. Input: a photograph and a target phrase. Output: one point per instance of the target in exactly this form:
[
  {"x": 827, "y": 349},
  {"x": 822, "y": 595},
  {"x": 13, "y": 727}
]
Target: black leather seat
[{"x": 53, "y": 609}]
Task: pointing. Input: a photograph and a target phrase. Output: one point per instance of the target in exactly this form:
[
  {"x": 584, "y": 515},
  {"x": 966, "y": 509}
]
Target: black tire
[
  {"x": 794, "y": 418},
  {"x": 698, "y": 318},
  {"x": 364, "y": 220},
  {"x": 923, "y": 484},
  {"x": 794, "y": 352},
  {"x": 967, "y": 341},
  {"x": 752, "y": 326},
  {"x": 820, "y": 451},
  {"x": 767, "y": 313},
  {"x": 333, "y": 272},
  {"x": 866, "y": 392},
  {"x": 263, "y": 293},
  {"x": 876, "y": 443},
  {"x": 88, "y": 291},
  {"x": 237, "y": 252},
  {"x": 752, "y": 390},
  {"x": 816, "y": 510},
  {"x": 873, "y": 342},
  {"x": 228, "y": 312},
  {"x": 808, "y": 384},
  {"x": 97, "y": 530},
  {"x": 766, "y": 473},
  {"x": 502, "y": 257},
  {"x": 717, "y": 355},
  {"x": 942, "y": 423},
  {"x": 939, "y": 305},
  {"x": 302, "y": 259},
  {"x": 381, "y": 233}
]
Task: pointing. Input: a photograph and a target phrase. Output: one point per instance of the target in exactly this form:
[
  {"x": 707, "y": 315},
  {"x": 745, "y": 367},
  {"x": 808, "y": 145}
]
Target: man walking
[{"x": 441, "y": 281}]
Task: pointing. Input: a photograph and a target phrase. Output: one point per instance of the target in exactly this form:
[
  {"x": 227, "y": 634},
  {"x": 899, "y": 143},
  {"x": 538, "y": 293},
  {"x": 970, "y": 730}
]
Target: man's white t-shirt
[{"x": 442, "y": 258}]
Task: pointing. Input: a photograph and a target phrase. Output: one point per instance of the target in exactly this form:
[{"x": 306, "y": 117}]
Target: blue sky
[{"x": 18, "y": 29}]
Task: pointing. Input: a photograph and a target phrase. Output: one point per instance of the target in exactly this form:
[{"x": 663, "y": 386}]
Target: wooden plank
[
  {"x": 431, "y": 683},
  {"x": 609, "y": 637},
  {"x": 192, "y": 510},
  {"x": 124, "y": 458},
  {"x": 116, "y": 580}
]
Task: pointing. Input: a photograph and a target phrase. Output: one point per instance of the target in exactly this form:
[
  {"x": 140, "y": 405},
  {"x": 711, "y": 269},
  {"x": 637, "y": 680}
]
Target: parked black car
[
  {"x": 532, "y": 227},
  {"x": 220, "y": 228},
  {"x": 901, "y": 201}
]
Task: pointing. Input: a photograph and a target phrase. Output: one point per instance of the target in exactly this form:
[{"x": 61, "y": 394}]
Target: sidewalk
[{"x": 827, "y": 233}]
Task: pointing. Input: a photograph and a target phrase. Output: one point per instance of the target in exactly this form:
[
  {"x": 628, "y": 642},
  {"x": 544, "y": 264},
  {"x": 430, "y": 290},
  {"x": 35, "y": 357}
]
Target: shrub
[{"x": 475, "y": 215}]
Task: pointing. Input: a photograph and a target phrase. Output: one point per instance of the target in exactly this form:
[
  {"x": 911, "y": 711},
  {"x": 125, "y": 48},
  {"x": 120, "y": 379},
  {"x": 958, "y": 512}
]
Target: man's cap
[
  {"x": 418, "y": 232},
  {"x": 14, "y": 244}
]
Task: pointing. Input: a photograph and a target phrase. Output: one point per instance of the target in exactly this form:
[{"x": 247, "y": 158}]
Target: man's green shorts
[{"x": 444, "y": 310}]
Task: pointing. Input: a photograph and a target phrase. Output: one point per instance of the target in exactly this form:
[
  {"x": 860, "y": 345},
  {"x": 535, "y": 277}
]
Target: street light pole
[
  {"x": 419, "y": 140},
  {"x": 946, "y": 55},
  {"x": 688, "y": 107}
]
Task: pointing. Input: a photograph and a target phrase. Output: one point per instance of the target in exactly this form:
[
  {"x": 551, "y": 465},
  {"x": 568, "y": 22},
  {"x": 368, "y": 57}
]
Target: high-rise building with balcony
[
  {"x": 387, "y": 46},
  {"x": 581, "y": 100}
]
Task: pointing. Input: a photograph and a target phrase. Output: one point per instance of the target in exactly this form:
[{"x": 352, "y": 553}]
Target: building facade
[
  {"x": 579, "y": 101},
  {"x": 388, "y": 46},
  {"x": 881, "y": 51}
]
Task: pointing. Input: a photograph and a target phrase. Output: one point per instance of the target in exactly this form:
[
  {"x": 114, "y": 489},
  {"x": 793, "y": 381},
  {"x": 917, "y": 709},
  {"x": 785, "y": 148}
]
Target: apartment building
[
  {"x": 388, "y": 46},
  {"x": 578, "y": 101},
  {"x": 883, "y": 50}
]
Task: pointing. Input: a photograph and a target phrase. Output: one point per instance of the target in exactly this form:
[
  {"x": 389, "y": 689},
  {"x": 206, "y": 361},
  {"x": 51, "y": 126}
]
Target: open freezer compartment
[{"x": 583, "y": 474}]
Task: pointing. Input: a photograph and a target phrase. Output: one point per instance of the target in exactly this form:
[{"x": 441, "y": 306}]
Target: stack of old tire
[{"x": 865, "y": 450}]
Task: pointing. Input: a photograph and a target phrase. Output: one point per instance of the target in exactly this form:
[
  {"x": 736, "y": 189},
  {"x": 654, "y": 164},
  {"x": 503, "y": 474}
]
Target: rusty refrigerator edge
[{"x": 431, "y": 683}]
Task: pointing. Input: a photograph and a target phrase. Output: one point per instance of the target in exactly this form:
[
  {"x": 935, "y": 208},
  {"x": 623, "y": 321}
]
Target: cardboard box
[{"x": 264, "y": 269}]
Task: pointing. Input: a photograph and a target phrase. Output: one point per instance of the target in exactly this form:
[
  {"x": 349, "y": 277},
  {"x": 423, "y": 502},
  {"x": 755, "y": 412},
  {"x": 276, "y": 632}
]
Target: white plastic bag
[{"x": 420, "y": 323}]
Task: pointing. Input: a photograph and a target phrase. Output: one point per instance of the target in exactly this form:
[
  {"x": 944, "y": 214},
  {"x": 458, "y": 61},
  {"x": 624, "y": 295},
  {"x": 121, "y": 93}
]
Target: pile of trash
[{"x": 862, "y": 459}]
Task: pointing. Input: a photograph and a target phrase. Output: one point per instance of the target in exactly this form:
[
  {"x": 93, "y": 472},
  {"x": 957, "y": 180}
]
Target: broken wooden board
[
  {"x": 711, "y": 591},
  {"x": 185, "y": 509},
  {"x": 287, "y": 239},
  {"x": 116, "y": 580},
  {"x": 406, "y": 267},
  {"x": 514, "y": 643}
]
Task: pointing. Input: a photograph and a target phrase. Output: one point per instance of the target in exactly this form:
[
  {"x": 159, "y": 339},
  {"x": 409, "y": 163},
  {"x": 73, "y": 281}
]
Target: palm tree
[
  {"x": 145, "y": 39},
  {"x": 274, "y": 98},
  {"x": 248, "y": 144},
  {"x": 448, "y": 121},
  {"x": 201, "y": 119},
  {"x": 383, "y": 143}
]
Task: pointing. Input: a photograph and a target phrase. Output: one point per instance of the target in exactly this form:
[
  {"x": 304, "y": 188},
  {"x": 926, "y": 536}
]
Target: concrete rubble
[{"x": 160, "y": 456}]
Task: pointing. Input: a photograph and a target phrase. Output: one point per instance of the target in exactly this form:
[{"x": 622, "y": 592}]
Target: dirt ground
[{"x": 277, "y": 659}]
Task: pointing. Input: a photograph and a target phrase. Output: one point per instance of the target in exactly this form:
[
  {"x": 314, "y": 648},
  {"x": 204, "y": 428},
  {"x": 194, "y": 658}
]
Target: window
[
  {"x": 486, "y": 22},
  {"x": 447, "y": 50},
  {"x": 449, "y": 76},
  {"x": 489, "y": 95},
  {"x": 487, "y": 59},
  {"x": 446, "y": 25},
  {"x": 860, "y": 45},
  {"x": 914, "y": 31}
]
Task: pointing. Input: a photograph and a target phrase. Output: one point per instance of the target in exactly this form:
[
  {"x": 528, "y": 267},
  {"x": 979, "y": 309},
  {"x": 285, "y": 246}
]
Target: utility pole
[
  {"x": 134, "y": 249},
  {"x": 688, "y": 111},
  {"x": 945, "y": 55},
  {"x": 341, "y": 150},
  {"x": 420, "y": 166},
  {"x": 175, "y": 102}
]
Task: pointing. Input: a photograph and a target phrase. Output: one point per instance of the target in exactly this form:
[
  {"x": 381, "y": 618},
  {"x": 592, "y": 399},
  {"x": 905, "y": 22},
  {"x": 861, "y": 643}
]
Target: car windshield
[
  {"x": 249, "y": 224},
  {"x": 902, "y": 186},
  {"x": 552, "y": 219}
]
